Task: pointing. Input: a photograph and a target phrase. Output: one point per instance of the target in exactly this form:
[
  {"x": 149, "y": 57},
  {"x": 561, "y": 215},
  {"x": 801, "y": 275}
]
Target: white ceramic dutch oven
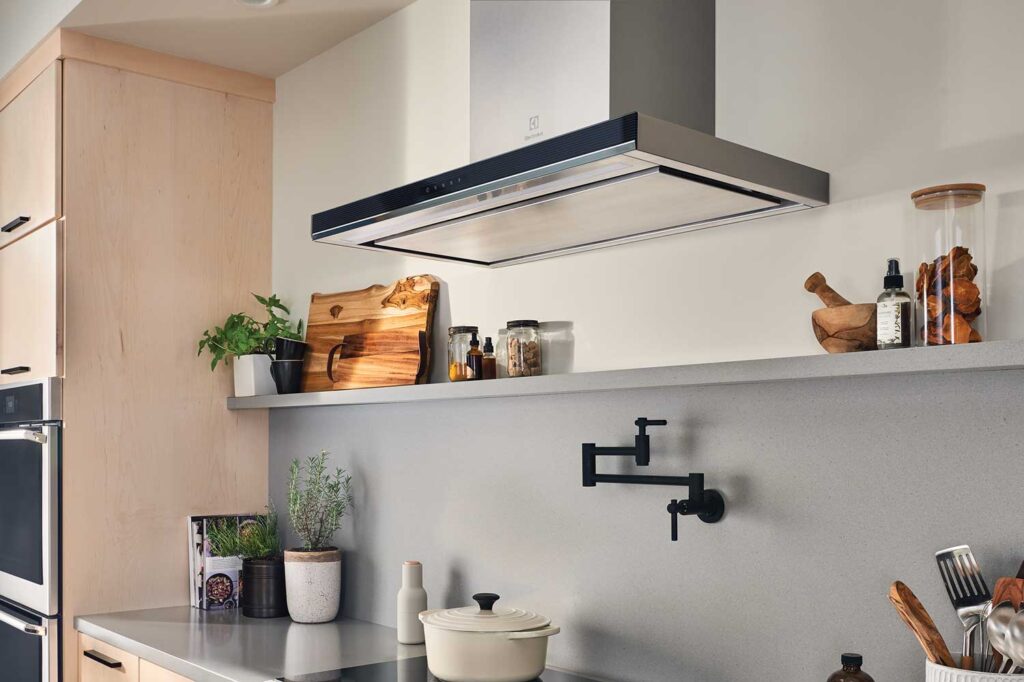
[{"x": 486, "y": 644}]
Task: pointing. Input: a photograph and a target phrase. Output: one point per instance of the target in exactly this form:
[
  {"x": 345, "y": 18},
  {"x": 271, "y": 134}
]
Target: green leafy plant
[
  {"x": 242, "y": 335},
  {"x": 256, "y": 539},
  {"x": 317, "y": 500}
]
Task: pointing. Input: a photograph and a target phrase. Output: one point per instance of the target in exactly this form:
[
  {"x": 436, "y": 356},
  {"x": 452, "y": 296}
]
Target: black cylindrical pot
[
  {"x": 289, "y": 349},
  {"x": 263, "y": 593}
]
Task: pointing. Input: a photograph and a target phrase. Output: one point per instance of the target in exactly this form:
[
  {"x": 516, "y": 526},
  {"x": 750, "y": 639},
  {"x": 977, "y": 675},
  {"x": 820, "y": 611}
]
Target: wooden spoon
[
  {"x": 1009, "y": 589},
  {"x": 921, "y": 624}
]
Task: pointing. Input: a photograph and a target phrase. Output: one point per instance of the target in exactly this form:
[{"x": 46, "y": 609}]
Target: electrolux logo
[{"x": 533, "y": 127}]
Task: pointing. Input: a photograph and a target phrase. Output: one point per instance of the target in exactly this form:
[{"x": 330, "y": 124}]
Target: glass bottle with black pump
[
  {"x": 894, "y": 308},
  {"x": 490, "y": 362}
]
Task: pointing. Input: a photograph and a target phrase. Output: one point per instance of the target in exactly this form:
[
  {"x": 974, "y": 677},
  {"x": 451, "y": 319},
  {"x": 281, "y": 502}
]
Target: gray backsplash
[{"x": 834, "y": 489}]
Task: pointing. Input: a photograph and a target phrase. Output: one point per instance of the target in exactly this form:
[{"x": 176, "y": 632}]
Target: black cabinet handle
[
  {"x": 15, "y": 224},
  {"x": 20, "y": 369},
  {"x": 101, "y": 659}
]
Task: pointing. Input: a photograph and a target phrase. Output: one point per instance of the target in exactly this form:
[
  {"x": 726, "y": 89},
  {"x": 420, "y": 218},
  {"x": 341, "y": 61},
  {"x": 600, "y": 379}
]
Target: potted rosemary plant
[
  {"x": 258, "y": 543},
  {"x": 250, "y": 343},
  {"x": 317, "y": 502}
]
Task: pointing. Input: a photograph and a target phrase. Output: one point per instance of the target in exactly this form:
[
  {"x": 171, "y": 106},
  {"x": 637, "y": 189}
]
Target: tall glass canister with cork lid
[{"x": 951, "y": 291}]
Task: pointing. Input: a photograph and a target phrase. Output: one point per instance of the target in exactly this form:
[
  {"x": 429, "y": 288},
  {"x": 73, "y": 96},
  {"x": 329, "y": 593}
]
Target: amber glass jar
[{"x": 951, "y": 278}]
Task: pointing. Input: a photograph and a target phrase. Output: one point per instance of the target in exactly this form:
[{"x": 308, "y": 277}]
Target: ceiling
[{"x": 267, "y": 41}]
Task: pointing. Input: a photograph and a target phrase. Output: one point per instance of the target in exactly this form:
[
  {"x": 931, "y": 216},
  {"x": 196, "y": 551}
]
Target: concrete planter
[
  {"x": 252, "y": 375},
  {"x": 313, "y": 584}
]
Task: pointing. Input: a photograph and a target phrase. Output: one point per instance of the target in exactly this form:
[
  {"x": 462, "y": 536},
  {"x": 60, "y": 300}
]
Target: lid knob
[{"x": 486, "y": 600}]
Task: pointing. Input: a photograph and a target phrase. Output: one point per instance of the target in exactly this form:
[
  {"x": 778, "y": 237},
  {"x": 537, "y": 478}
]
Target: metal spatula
[{"x": 968, "y": 592}]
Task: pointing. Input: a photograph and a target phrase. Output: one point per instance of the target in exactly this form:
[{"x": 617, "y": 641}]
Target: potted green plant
[
  {"x": 249, "y": 342},
  {"x": 317, "y": 502},
  {"x": 258, "y": 543}
]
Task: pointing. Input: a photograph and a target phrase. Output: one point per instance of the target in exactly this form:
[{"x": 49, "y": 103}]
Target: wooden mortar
[{"x": 842, "y": 327}]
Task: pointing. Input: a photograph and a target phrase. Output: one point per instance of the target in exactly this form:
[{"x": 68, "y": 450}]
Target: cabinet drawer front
[
  {"x": 30, "y": 167},
  {"x": 31, "y": 302},
  {"x": 150, "y": 672},
  {"x": 101, "y": 662}
]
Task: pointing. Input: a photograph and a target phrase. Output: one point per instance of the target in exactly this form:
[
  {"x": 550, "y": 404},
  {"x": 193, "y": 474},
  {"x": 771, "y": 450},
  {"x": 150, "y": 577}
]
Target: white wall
[
  {"x": 23, "y": 23},
  {"x": 886, "y": 96}
]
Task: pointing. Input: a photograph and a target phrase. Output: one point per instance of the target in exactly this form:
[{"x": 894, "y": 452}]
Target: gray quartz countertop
[{"x": 213, "y": 646}]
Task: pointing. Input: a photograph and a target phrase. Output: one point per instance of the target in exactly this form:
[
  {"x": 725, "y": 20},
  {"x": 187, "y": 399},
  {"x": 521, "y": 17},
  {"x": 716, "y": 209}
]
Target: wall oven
[
  {"x": 29, "y": 645},
  {"x": 30, "y": 535}
]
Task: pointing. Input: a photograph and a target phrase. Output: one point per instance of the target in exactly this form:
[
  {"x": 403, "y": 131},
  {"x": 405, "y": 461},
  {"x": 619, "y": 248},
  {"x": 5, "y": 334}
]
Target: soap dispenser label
[{"x": 890, "y": 322}]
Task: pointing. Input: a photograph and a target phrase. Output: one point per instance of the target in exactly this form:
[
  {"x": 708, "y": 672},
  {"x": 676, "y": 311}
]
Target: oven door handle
[
  {"x": 24, "y": 434},
  {"x": 18, "y": 624}
]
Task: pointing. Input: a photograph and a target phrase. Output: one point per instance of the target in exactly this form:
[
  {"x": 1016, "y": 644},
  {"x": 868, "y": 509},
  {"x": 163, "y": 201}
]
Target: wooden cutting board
[{"x": 378, "y": 336}]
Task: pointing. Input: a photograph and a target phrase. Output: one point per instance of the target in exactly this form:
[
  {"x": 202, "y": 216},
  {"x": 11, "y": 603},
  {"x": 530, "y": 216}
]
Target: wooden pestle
[{"x": 816, "y": 285}]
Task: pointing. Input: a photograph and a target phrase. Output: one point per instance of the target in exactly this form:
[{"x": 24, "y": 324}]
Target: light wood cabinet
[
  {"x": 147, "y": 178},
  {"x": 149, "y": 672},
  {"x": 30, "y": 164},
  {"x": 101, "y": 662},
  {"x": 31, "y": 300}
]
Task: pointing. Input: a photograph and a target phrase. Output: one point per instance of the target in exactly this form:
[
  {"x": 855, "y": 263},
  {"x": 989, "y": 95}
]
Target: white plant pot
[
  {"x": 252, "y": 375},
  {"x": 313, "y": 585}
]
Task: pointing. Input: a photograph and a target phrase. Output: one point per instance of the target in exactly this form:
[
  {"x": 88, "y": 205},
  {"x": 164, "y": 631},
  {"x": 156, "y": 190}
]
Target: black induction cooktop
[{"x": 408, "y": 670}]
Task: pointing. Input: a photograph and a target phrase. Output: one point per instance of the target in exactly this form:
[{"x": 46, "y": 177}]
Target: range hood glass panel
[
  {"x": 643, "y": 202},
  {"x": 505, "y": 192}
]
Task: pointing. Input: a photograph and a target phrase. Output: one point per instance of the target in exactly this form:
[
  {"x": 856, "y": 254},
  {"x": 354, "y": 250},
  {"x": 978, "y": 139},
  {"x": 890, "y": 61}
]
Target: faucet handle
[
  {"x": 643, "y": 422},
  {"x": 673, "y": 511}
]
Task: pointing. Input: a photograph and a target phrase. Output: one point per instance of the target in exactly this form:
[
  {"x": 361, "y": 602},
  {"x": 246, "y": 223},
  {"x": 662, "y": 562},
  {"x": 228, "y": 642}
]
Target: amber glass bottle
[
  {"x": 490, "y": 362},
  {"x": 851, "y": 671},
  {"x": 475, "y": 359}
]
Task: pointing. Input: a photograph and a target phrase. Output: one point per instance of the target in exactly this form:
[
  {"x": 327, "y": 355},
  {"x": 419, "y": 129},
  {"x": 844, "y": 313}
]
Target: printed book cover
[{"x": 215, "y": 582}]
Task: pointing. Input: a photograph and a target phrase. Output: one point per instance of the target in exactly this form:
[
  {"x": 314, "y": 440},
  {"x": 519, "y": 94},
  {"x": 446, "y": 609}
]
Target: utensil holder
[{"x": 940, "y": 673}]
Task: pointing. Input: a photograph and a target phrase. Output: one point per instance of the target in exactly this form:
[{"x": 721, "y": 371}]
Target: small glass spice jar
[
  {"x": 458, "y": 349},
  {"x": 951, "y": 278},
  {"x": 523, "y": 348}
]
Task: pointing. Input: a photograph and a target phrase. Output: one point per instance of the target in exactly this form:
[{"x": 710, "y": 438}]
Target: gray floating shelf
[{"x": 989, "y": 356}]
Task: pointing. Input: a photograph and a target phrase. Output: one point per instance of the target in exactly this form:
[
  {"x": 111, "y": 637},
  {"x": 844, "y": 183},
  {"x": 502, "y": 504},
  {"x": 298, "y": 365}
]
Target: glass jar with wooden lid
[{"x": 950, "y": 281}]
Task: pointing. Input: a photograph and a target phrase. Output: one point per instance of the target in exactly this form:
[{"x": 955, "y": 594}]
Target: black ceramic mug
[
  {"x": 287, "y": 375},
  {"x": 289, "y": 349}
]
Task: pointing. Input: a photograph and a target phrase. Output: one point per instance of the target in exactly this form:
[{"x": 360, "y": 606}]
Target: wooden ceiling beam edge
[{"x": 65, "y": 44}]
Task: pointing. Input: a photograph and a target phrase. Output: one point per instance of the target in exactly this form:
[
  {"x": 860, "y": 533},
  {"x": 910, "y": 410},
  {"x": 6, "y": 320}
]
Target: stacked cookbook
[{"x": 215, "y": 582}]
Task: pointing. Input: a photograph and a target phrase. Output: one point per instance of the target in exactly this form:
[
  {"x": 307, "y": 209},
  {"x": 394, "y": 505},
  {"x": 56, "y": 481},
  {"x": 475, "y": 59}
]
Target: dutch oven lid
[{"x": 485, "y": 617}]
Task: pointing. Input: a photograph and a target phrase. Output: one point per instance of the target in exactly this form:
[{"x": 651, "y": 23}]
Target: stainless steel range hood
[{"x": 629, "y": 178}]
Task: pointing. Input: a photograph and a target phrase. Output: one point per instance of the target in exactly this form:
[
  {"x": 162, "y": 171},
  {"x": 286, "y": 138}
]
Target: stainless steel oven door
[
  {"x": 30, "y": 513},
  {"x": 29, "y": 646}
]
